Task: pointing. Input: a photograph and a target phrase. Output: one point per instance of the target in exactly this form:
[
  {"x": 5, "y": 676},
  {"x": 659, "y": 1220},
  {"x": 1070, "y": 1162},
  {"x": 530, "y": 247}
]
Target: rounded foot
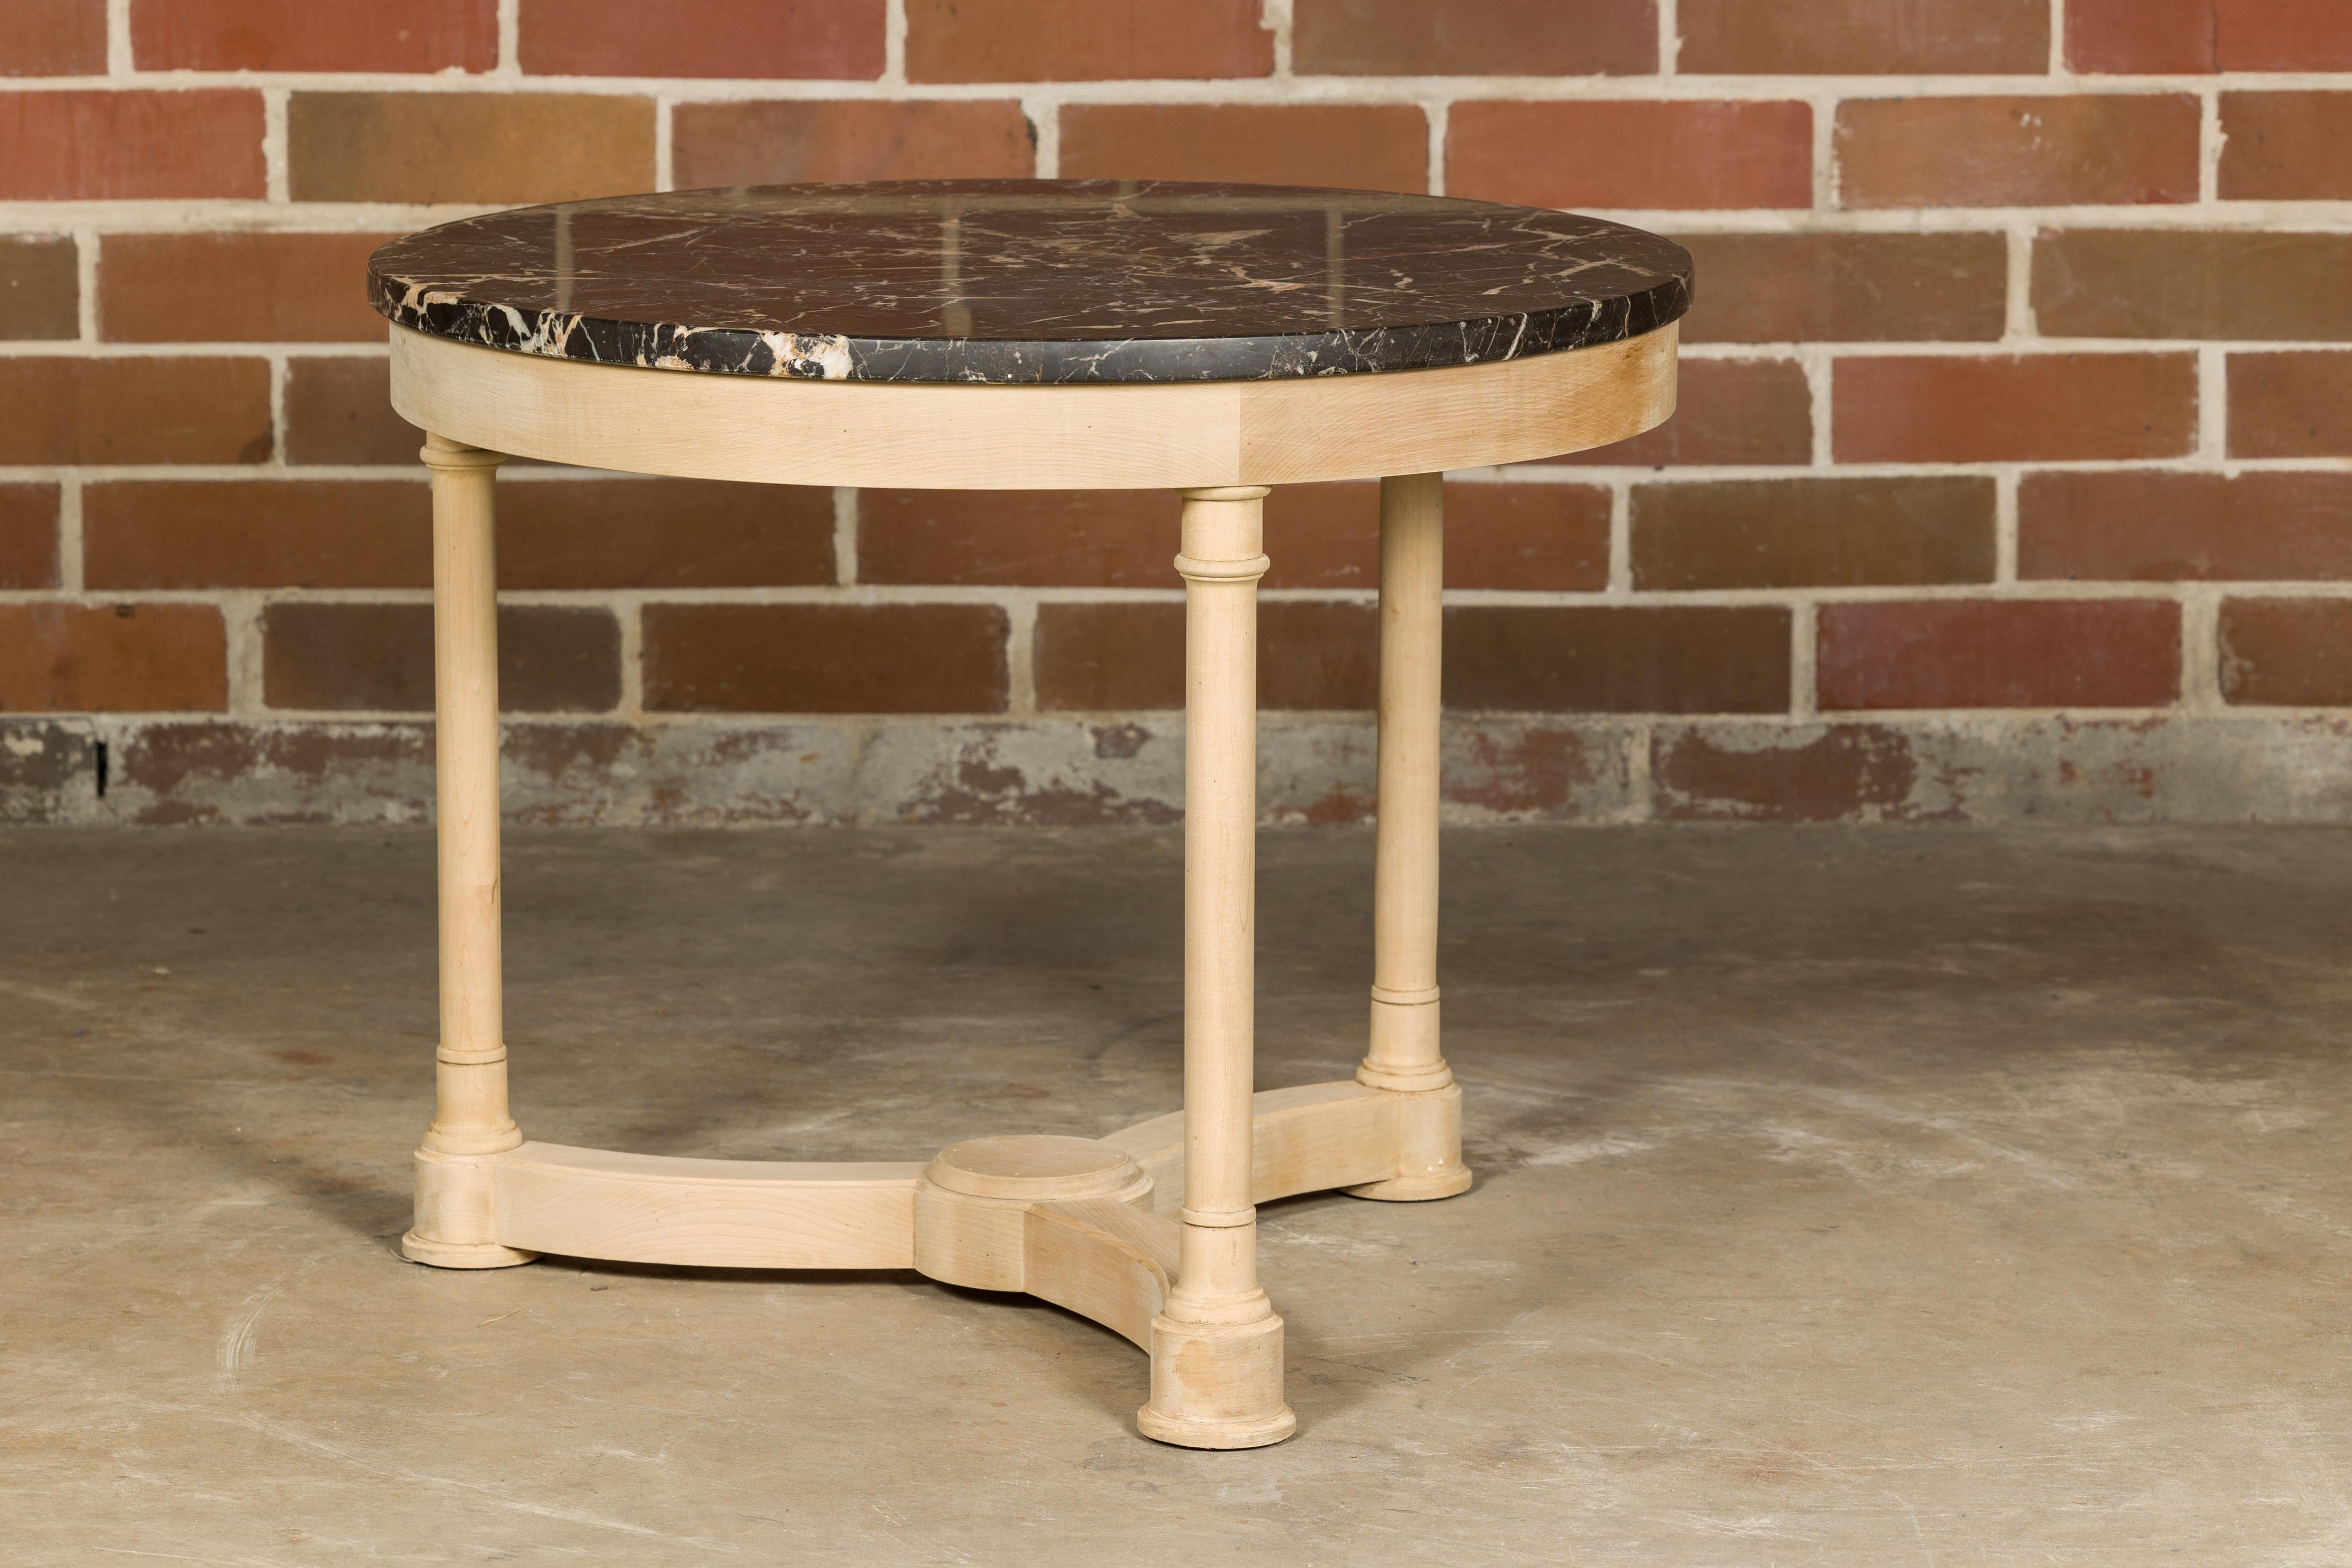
[
  {"x": 1208, "y": 1432},
  {"x": 462, "y": 1254},
  {"x": 1216, "y": 1385},
  {"x": 1417, "y": 1188}
]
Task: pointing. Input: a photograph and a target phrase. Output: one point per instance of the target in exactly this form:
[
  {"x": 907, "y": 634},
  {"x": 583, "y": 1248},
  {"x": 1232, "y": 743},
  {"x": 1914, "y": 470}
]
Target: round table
[{"x": 1214, "y": 339}]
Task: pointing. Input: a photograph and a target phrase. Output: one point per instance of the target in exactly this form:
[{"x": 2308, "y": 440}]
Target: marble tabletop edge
[{"x": 994, "y": 282}]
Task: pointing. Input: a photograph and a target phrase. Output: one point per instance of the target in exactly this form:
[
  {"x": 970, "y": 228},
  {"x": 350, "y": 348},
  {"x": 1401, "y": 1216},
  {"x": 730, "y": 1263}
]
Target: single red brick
[
  {"x": 1836, "y": 772},
  {"x": 379, "y": 658},
  {"x": 1352, "y": 146},
  {"x": 1085, "y": 41},
  {"x": 2111, "y": 148},
  {"x": 123, "y": 145},
  {"x": 166, "y": 410},
  {"x": 2286, "y": 146},
  {"x": 257, "y": 534},
  {"x": 790, "y": 140},
  {"x": 1316, "y": 656},
  {"x": 28, "y": 536},
  {"x": 1727, "y": 411},
  {"x": 377, "y": 533},
  {"x": 55, "y": 38},
  {"x": 2281, "y": 35},
  {"x": 783, "y": 38},
  {"x": 2291, "y": 405},
  {"x": 1807, "y": 532},
  {"x": 2164, "y": 36},
  {"x": 1112, "y": 657},
  {"x": 466, "y": 146},
  {"x": 2286, "y": 653},
  {"x": 339, "y": 411},
  {"x": 1633, "y": 154},
  {"x": 663, "y": 533},
  {"x": 304, "y": 36},
  {"x": 1859, "y": 37},
  {"x": 1328, "y": 535},
  {"x": 1039, "y": 539},
  {"x": 1994, "y": 653},
  {"x": 1595, "y": 659},
  {"x": 2143, "y": 283},
  {"x": 1123, "y": 656},
  {"x": 236, "y": 288},
  {"x": 2159, "y": 527},
  {"x": 2013, "y": 408},
  {"x": 1845, "y": 288},
  {"x": 119, "y": 658},
  {"x": 1473, "y": 37},
  {"x": 40, "y": 287},
  {"x": 825, "y": 659},
  {"x": 1530, "y": 536}
]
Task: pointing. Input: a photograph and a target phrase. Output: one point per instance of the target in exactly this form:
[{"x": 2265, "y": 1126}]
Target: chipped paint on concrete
[
  {"x": 2005, "y": 768},
  {"x": 1500, "y": 769},
  {"x": 1830, "y": 773},
  {"x": 48, "y": 770},
  {"x": 205, "y": 771}
]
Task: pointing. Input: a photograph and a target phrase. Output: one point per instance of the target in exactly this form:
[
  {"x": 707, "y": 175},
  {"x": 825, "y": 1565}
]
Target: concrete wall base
[{"x": 1993, "y": 768}]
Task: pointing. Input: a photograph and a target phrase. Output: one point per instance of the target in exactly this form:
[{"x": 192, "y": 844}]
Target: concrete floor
[{"x": 1877, "y": 1196}]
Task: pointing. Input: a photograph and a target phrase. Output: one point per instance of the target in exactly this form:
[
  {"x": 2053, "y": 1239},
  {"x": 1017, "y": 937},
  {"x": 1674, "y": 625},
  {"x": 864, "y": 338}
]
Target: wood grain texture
[
  {"x": 976, "y": 1243},
  {"x": 718, "y": 1213},
  {"x": 1119, "y": 436},
  {"x": 970, "y": 1228},
  {"x": 1101, "y": 1259}
]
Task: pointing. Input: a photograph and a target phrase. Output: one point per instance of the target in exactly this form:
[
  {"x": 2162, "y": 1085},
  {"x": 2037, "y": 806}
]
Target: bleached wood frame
[{"x": 1151, "y": 1231}]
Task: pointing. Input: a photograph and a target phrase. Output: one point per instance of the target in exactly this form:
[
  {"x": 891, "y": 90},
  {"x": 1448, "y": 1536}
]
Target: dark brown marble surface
[{"x": 1019, "y": 281}]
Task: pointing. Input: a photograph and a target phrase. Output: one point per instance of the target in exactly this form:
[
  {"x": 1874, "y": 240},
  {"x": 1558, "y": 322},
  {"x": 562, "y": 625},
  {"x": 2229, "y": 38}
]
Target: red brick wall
[{"x": 2010, "y": 477}]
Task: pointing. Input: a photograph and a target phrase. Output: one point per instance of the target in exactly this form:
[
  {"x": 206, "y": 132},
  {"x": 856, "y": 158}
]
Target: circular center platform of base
[{"x": 1034, "y": 1166}]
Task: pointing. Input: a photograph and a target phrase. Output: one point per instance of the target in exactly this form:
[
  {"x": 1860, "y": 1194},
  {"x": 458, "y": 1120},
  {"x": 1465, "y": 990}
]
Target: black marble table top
[{"x": 1031, "y": 280}]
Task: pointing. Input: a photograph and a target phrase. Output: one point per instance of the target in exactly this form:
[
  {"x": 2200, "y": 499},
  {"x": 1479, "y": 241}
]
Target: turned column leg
[
  {"x": 1404, "y": 1057},
  {"x": 1216, "y": 1345},
  {"x": 455, "y": 1225}
]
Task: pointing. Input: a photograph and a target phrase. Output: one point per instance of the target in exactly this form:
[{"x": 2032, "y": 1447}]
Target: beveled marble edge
[{"x": 725, "y": 351}]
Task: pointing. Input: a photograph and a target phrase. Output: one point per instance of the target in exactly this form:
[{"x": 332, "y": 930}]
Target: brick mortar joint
[
  {"x": 1652, "y": 87},
  {"x": 619, "y": 600}
]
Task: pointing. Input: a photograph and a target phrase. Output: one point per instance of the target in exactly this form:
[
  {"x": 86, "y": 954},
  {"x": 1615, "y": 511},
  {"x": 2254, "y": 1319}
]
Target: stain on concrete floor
[{"x": 1845, "y": 1197}]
